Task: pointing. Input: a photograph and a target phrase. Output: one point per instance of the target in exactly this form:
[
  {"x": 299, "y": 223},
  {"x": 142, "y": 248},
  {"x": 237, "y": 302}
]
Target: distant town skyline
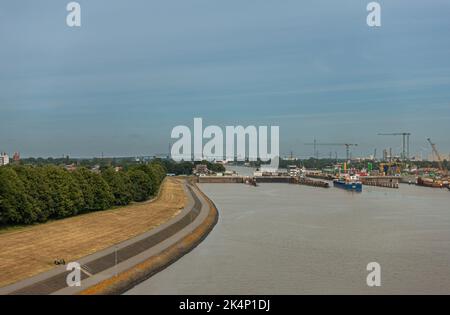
[{"x": 133, "y": 71}]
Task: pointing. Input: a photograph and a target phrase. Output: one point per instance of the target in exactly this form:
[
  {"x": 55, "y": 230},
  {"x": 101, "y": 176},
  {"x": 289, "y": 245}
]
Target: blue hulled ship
[{"x": 351, "y": 183}]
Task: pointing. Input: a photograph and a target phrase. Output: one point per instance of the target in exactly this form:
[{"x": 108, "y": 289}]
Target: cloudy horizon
[{"x": 133, "y": 71}]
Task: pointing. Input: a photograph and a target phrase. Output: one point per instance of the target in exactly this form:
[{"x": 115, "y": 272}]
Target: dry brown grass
[{"x": 28, "y": 251}]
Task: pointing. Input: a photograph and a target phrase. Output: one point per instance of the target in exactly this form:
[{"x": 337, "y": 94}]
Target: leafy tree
[
  {"x": 120, "y": 185},
  {"x": 42, "y": 190},
  {"x": 15, "y": 206},
  {"x": 215, "y": 167},
  {"x": 159, "y": 169},
  {"x": 97, "y": 194},
  {"x": 156, "y": 173},
  {"x": 178, "y": 168},
  {"x": 66, "y": 195},
  {"x": 37, "y": 188},
  {"x": 141, "y": 184}
]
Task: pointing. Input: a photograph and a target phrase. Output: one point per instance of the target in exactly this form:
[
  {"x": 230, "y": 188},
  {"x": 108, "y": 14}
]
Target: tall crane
[
  {"x": 405, "y": 142},
  {"x": 347, "y": 146},
  {"x": 435, "y": 151}
]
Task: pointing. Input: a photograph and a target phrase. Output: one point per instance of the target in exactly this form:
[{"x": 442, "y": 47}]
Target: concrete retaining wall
[
  {"x": 388, "y": 182},
  {"x": 275, "y": 179}
]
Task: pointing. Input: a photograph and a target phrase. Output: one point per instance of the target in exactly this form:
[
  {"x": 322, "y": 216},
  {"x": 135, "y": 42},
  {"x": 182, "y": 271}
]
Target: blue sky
[{"x": 136, "y": 69}]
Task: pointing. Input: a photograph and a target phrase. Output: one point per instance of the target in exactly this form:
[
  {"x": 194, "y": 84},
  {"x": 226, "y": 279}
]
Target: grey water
[{"x": 293, "y": 239}]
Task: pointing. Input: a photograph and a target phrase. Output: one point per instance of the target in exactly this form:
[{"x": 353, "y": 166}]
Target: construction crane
[
  {"x": 347, "y": 146},
  {"x": 405, "y": 142},
  {"x": 435, "y": 151}
]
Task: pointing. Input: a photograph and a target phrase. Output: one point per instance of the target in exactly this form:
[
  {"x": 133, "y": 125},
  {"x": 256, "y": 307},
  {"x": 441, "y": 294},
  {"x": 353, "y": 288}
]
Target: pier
[
  {"x": 221, "y": 179},
  {"x": 309, "y": 179},
  {"x": 311, "y": 182},
  {"x": 275, "y": 179},
  {"x": 381, "y": 181},
  {"x": 261, "y": 179},
  {"x": 244, "y": 179}
]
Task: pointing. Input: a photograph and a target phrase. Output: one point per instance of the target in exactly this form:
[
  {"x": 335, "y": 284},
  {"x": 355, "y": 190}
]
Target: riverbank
[
  {"x": 29, "y": 251},
  {"x": 192, "y": 235}
]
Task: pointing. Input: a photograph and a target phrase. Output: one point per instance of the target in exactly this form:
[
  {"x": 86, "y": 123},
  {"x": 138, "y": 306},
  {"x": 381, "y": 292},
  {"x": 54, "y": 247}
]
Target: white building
[{"x": 4, "y": 159}]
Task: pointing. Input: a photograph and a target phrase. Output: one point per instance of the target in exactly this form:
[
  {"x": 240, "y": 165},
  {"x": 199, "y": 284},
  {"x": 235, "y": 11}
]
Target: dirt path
[{"x": 29, "y": 251}]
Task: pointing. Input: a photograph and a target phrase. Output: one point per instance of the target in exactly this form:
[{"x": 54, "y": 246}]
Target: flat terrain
[{"x": 28, "y": 251}]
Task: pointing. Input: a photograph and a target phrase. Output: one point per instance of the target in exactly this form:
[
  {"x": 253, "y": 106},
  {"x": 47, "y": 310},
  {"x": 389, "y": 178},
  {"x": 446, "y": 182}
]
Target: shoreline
[{"x": 146, "y": 269}]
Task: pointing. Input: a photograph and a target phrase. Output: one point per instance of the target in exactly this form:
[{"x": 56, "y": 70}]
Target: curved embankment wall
[{"x": 144, "y": 270}]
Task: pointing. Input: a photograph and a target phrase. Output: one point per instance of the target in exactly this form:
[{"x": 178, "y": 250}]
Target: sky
[{"x": 136, "y": 69}]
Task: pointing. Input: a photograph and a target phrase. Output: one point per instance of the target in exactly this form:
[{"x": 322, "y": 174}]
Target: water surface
[{"x": 292, "y": 239}]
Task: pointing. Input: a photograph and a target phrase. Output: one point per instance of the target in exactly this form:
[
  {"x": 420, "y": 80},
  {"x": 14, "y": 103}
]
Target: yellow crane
[{"x": 435, "y": 151}]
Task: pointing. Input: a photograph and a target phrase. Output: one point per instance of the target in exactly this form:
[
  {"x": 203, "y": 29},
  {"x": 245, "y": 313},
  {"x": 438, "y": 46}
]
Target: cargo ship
[
  {"x": 351, "y": 183},
  {"x": 431, "y": 182}
]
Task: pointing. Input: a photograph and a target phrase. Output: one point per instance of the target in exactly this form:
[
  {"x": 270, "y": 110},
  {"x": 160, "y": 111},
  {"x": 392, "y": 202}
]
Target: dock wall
[
  {"x": 381, "y": 181},
  {"x": 275, "y": 179},
  {"x": 313, "y": 182},
  {"x": 242, "y": 179},
  {"x": 221, "y": 179}
]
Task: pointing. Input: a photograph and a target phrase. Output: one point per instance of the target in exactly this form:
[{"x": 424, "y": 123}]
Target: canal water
[{"x": 292, "y": 239}]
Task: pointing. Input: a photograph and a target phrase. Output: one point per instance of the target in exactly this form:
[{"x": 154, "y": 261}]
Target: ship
[
  {"x": 251, "y": 181},
  {"x": 351, "y": 183},
  {"x": 430, "y": 182}
]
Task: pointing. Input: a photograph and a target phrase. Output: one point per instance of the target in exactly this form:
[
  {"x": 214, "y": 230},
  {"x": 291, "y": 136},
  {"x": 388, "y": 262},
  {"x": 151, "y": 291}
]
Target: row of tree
[
  {"x": 30, "y": 194},
  {"x": 186, "y": 167}
]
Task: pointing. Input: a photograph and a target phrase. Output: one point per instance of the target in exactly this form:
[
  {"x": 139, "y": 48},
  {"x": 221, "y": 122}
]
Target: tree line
[
  {"x": 32, "y": 194},
  {"x": 186, "y": 167}
]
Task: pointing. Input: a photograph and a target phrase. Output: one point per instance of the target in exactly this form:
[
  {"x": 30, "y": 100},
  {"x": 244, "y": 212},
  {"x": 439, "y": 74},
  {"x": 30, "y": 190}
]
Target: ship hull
[
  {"x": 427, "y": 182},
  {"x": 348, "y": 186}
]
